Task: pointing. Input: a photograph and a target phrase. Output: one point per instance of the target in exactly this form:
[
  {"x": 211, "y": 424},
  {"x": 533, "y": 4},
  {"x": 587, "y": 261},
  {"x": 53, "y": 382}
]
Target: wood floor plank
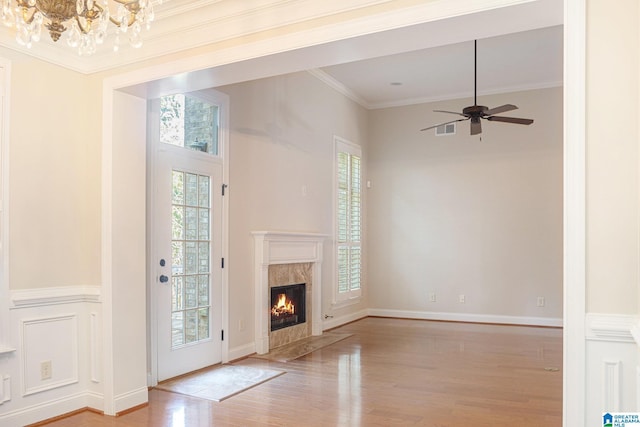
[{"x": 391, "y": 372}]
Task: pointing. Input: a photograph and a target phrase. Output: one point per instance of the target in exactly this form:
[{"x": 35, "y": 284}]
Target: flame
[{"x": 283, "y": 306}]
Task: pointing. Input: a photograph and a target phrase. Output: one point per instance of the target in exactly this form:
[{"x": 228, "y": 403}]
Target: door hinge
[
  {"x": 222, "y": 335},
  {"x": 222, "y": 263},
  {"x": 224, "y": 186}
]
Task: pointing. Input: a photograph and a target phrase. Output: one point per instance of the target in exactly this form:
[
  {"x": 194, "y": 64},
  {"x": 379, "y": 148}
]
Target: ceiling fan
[{"x": 476, "y": 112}]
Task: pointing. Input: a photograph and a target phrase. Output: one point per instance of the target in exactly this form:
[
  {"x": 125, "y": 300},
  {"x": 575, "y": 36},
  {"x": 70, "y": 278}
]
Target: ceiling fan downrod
[{"x": 475, "y": 72}]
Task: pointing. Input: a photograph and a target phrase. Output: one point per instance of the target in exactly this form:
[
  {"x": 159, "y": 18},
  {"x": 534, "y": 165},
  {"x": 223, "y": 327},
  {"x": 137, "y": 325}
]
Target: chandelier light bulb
[{"x": 84, "y": 23}]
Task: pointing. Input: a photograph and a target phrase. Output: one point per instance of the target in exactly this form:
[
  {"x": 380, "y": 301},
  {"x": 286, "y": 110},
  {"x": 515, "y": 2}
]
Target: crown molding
[
  {"x": 346, "y": 91},
  {"x": 464, "y": 95},
  {"x": 184, "y": 24},
  {"x": 339, "y": 87}
]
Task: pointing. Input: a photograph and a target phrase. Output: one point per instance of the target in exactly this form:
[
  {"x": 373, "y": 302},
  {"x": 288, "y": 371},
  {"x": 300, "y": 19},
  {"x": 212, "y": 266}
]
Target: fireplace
[
  {"x": 287, "y": 306},
  {"x": 282, "y": 259}
]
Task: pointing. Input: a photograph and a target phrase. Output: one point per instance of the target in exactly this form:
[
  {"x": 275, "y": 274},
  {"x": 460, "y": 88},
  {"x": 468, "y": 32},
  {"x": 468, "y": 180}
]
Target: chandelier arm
[
  {"x": 132, "y": 19},
  {"x": 82, "y": 29},
  {"x": 25, "y": 11},
  {"x": 99, "y": 8}
]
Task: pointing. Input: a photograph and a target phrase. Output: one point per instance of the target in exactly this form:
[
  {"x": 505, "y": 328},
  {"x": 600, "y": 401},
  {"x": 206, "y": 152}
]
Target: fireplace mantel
[{"x": 275, "y": 247}]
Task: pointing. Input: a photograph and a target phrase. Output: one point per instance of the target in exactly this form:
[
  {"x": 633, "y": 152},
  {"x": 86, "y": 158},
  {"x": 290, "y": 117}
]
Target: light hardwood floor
[{"x": 391, "y": 372}]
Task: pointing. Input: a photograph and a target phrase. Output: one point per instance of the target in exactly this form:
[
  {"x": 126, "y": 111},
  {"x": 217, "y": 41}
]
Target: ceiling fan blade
[
  {"x": 476, "y": 127},
  {"x": 514, "y": 120},
  {"x": 501, "y": 109},
  {"x": 442, "y": 124},
  {"x": 449, "y": 112}
]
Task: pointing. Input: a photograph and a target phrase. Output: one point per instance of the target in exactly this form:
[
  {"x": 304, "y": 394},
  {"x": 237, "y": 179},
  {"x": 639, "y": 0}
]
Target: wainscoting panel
[
  {"x": 637, "y": 386},
  {"x": 611, "y": 384},
  {"x": 611, "y": 365},
  {"x": 60, "y": 327},
  {"x": 94, "y": 347},
  {"x": 50, "y": 341},
  {"x": 5, "y": 389}
]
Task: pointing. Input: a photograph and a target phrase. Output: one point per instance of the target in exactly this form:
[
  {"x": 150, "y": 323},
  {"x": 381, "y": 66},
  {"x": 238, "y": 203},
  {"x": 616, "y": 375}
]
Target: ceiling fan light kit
[{"x": 476, "y": 112}]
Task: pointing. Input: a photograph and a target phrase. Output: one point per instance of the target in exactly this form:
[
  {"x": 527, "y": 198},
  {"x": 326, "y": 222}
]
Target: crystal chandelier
[{"x": 86, "y": 20}]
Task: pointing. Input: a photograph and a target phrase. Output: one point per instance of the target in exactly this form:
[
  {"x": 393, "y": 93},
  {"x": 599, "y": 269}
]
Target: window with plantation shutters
[{"x": 348, "y": 221}]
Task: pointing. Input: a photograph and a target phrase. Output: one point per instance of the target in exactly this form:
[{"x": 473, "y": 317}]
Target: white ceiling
[
  {"x": 518, "y": 61},
  {"x": 519, "y": 46}
]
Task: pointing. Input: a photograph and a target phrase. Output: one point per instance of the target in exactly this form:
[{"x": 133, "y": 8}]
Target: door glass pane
[
  {"x": 203, "y": 290},
  {"x": 177, "y": 294},
  {"x": 203, "y": 323},
  {"x": 191, "y": 292},
  {"x": 203, "y": 224},
  {"x": 191, "y": 220},
  {"x": 189, "y": 122},
  {"x": 178, "y": 188},
  {"x": 177, "y": 257},
  {"x": 177, "y": 329},
  {"x": 191, "y": 258},
  {"x": 203, "y": 257},
  {"x": 203, "y": 190},
  {"x": 191, "y": 326},
  {"x": 177, "y": 222},
  {"x": 191, "y": 189}
]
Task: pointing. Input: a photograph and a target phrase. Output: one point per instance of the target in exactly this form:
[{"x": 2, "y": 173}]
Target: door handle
[{"x": 164, "y": 279}]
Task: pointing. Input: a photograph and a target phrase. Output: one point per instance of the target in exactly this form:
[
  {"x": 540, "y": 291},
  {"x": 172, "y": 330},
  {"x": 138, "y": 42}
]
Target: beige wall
[
  {"x": 128, "y": 316},
  {"x": 54, "y": 157},
  {"x": 457, "y": 214},
  {"x": 281, "y": 140},
  {"x": 612, "y": 156}
]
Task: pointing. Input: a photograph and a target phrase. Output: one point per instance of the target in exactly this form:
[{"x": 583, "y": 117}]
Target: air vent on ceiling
[{"x": 448, "y": 129}]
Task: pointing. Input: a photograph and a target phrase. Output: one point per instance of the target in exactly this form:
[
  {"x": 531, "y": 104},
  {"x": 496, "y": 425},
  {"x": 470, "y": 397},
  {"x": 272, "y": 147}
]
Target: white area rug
[{"x": 219, "y": 383}]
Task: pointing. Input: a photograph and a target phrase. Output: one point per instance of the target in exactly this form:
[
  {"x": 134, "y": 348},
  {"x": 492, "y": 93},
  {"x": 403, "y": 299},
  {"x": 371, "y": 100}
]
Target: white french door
[
  {"x": 188, "y": 233},
  {"x": 185, "y": 234}
]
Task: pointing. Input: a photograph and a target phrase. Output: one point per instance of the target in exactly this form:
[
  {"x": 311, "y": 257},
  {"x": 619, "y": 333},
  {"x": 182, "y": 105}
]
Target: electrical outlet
[
  {"x": 45, "y": 370},
  {"x": 461, "y": 298},
  {"x": 432, "y": 297},
  {"x": 540, "y": 302}
]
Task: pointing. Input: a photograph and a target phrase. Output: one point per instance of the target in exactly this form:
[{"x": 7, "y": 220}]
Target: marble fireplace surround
[{"x": 273, "y": 248}]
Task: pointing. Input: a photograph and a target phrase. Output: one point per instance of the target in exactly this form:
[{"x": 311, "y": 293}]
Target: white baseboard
[
  {"x": 334, "y": 322},
  {"x": 242, "y": 351},
  {"x": 95, "y": 401},
  {"x": 44, "y": 411},
  {"x": 467, "y": 317},
  {"x": 131, "y": 399}
]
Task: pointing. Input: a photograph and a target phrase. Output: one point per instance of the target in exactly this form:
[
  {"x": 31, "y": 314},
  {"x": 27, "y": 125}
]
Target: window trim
[{"x": 352, "y": 296}]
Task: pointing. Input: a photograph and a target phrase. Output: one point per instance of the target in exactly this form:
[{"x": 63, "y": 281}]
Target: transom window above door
[{"x": 190, "y": 122}]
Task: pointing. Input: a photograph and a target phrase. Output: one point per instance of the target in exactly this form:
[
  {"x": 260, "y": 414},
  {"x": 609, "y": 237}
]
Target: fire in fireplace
[{"x": 287, "y": 306}]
